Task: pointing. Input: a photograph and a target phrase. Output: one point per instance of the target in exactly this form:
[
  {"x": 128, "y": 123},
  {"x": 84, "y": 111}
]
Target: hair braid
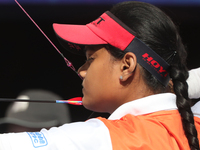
[
  {"x": 182, "y": 102},
  {"x": 179, "y": 75}
]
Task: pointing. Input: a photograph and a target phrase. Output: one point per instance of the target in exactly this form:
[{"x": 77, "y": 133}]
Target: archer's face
[{"x": 100, "y": 79}]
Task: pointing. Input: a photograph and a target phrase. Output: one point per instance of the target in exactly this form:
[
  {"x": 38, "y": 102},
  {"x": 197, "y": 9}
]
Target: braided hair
[{"x": 157, "y": 31}]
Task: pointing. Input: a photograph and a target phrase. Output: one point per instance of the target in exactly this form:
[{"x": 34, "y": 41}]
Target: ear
[{"x": 128, "y": 65}]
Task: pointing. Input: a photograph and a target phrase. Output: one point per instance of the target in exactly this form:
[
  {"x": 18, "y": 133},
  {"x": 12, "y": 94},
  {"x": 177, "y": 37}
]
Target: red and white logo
[{"x": 154, "y": 64}]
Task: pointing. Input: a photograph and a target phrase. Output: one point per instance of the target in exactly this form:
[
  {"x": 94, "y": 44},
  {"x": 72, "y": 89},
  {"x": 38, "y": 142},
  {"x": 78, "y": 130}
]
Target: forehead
[{"x": 91, "y": 49}]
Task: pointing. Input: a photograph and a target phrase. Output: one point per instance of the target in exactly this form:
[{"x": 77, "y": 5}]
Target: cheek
[
  {"x": 95, "y": 88},
  {"x": 99, "y": 90},
  {"x": 98, "y": 79}
]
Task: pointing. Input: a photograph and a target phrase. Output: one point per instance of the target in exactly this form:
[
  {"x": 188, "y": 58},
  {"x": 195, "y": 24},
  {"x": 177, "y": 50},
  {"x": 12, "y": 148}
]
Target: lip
[{"x": 83, "y": 89}]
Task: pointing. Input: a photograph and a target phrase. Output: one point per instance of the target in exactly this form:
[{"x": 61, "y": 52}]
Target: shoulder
[{"x": 150, "y": 130}]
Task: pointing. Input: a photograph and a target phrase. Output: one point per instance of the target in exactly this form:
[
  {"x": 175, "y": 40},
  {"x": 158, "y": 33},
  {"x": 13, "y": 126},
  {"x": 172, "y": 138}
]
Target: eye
[{"x": 89, "y": 60}]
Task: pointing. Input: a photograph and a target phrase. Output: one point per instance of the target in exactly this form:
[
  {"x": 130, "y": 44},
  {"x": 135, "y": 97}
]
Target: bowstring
[{"x": 69, "y": 64}]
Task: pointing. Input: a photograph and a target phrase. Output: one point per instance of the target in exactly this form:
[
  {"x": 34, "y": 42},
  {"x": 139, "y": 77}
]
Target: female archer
[{"x": 135, "y": 70}]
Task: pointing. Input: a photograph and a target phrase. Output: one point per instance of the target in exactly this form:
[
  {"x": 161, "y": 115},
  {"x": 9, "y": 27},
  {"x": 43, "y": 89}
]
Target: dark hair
[{"x": 156, "y": 30}]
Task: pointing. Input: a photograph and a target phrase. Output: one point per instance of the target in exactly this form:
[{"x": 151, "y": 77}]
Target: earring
[{"x": 121, "y": 77}]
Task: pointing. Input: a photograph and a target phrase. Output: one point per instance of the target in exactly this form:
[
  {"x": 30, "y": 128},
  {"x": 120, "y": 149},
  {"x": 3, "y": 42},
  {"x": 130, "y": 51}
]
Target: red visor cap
[{"x": 107, "y": 29}]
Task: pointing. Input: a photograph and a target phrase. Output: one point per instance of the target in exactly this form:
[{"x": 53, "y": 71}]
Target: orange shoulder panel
[{"x": 157, "y": 131}]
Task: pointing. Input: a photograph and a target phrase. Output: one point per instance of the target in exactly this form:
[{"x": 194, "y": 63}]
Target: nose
[{"x": 82, "y": 71}]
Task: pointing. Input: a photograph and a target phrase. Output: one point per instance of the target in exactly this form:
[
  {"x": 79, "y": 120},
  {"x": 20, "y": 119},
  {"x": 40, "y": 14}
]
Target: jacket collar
[{"x": 146, "y": 105}]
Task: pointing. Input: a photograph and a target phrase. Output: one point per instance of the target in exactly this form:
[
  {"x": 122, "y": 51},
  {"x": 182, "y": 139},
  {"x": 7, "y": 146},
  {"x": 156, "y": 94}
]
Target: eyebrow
[
  {"x": 88, "y": 54},
  {"x": 88, "y": 48}
]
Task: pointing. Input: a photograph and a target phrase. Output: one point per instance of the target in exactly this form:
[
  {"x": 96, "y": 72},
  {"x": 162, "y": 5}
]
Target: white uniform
[{"x": 90, "y": 135}]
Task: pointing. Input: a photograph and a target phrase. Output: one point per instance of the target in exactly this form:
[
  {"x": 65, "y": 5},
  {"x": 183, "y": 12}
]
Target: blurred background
[{"x": 28, "y": 60}]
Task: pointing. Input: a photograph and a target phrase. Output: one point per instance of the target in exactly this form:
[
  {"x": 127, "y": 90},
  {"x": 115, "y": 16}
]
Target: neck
[{"x": 132, "y": 89}]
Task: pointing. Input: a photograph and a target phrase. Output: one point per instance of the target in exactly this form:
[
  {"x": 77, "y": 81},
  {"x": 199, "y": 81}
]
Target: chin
[
  {"x": 92, "y": 105},
  {"x": 94, "y": 108}
]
